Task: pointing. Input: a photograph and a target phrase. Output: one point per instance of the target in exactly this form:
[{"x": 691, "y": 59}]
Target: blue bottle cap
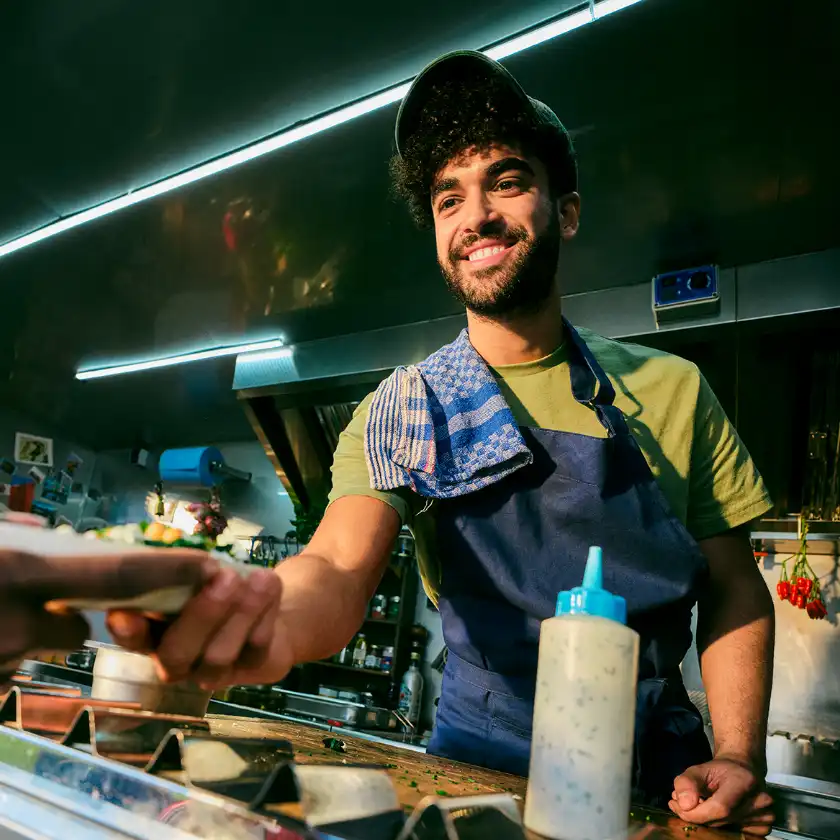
[{"x": 591, "y": 598}]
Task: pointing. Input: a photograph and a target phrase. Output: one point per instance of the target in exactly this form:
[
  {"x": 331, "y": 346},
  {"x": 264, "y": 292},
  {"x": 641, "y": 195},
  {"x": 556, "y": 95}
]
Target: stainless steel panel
[
  {"x": 808, "y": 283},
  {"x": 782, "y": 287},
  {"x": 346, "y": 355},
  {"x": 806, "y": 807},
  {"x": 627, "y": 310}
]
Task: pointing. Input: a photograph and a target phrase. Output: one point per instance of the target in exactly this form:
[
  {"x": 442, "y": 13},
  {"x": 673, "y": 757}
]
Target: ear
[{"x": 568, "y": 207}]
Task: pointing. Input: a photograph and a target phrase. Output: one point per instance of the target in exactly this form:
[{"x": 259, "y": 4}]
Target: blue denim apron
[{"x": 507, "y": 550}]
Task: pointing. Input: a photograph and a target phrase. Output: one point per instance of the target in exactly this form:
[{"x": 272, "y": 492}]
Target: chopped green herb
[
  {"x": 335, "y": 744},
  {"x": 441, "y": 793},
  {"x": 435, "y": 776},
  {"x": 413, "y": 783}
]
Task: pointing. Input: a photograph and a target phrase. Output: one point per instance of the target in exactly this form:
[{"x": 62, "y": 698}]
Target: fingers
[
  {"x": 129, "y": 630},
  {"x": 107, "y": 576},
  {"x": 690, "y": 787},
  {"x": 760, "y": 824},
  {"x": 66, "y": 631},
  {"x": 233, "y": 649},
  {"x": 214, "y": 627},
  {"x": 25, "y": 630},
  {"x": 753, "y": 814}
]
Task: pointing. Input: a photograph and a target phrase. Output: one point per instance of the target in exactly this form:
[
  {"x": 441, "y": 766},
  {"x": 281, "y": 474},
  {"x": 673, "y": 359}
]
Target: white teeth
[{"x": 483, "y": 253}]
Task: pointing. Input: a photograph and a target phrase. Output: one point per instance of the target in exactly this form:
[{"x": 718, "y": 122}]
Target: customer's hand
[
  {"x": 723, "y": 792},
  {"x": 229, "y": 633},
  {"x": 29, "y": 582}
]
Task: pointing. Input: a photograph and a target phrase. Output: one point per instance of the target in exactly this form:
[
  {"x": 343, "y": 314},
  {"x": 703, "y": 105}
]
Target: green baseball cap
[{"x": 467, "y": 65}]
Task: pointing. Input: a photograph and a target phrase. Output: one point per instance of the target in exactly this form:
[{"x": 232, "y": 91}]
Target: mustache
[{"x": 507, "y": 234}]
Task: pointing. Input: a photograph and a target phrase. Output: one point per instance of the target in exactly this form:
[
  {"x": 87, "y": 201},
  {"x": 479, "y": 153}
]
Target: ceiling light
[
  {"x": 268, "y": 355},
  {"x": 180, "y": 359},
  {"x": 341, "y": 115}
]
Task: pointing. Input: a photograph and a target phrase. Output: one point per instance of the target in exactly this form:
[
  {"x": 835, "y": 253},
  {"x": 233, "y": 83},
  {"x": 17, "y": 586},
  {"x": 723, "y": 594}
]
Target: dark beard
[{"x": 519, "y": 286}]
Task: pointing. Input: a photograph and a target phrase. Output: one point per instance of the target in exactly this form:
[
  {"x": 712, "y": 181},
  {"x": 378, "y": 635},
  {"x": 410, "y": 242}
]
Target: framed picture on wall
[{"x": 30, "y": 449}]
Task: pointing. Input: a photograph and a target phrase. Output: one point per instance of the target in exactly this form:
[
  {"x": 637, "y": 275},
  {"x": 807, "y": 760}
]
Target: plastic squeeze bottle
[{"x": 584, "y": 715}]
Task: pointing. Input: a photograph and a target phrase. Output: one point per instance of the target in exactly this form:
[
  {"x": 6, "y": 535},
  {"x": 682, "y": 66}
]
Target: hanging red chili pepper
[
  {"x": 816, "y": 609},
  {"x": 802, "y": 588}
]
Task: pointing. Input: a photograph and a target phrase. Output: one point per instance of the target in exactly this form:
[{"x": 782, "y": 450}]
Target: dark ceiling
[
  {"x": 105, "y": 96},
  {"x": 705, "y": 130}
]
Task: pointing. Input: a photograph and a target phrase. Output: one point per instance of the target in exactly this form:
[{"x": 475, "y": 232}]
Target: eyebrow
[
  {"x": 508, "y": 164},
  {"x": 444, "y": 185}
]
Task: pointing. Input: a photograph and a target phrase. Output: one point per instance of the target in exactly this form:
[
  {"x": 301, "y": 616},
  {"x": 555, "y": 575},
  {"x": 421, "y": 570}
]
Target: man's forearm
[
  {"x": 326, "y": 589},
  {"x": 735, "y": 640},
  {"x": 322, "y": 605}
]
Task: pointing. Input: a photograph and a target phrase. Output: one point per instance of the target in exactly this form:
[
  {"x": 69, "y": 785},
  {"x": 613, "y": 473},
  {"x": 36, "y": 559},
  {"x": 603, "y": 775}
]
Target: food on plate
[{"x": 144, "y": 536}]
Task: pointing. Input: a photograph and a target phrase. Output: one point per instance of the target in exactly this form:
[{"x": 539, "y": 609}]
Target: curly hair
[{"x": 458, "y": 116}]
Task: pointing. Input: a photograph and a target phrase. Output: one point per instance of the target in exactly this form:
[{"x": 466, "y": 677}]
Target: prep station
[{"x": 252, "y": 306}]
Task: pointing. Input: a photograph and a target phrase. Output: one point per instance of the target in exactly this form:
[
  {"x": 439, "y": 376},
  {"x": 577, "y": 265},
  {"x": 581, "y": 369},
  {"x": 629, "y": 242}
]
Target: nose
[{"x": 479, "y": 213}]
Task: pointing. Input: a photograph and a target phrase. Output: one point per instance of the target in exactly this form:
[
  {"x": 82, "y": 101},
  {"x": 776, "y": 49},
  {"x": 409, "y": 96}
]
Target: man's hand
[
  {"x": 227, "y": 633},
  {"x": 29, "y": 582},
  {"x": 723, "y": 792},
  {"x": 238, "y": 631}
]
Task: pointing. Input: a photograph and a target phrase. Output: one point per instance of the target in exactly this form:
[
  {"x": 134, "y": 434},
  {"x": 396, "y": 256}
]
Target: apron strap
[{"x": 591, "y": 386}]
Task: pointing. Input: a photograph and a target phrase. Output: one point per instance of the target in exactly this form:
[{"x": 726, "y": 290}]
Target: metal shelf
[
  {"x": 387, "y": 622},
  {"x": 339, "y": 666}
]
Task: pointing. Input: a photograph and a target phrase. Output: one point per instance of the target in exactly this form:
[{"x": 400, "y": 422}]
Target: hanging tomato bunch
[
  {"x": 210, "y": 521},
  {"x": 801, "y": 587}
]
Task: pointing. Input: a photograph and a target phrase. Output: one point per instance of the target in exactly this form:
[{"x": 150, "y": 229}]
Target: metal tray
[{"x": 344, "y": 712}]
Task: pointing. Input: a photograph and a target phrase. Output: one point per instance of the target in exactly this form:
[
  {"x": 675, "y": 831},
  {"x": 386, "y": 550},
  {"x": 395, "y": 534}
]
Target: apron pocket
[
  {"x": 462, "y": 724},
  {"x": 513, "y": 714}
]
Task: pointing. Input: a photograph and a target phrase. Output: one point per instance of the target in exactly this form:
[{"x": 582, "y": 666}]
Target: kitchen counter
[{"x": 417, "y": 775}]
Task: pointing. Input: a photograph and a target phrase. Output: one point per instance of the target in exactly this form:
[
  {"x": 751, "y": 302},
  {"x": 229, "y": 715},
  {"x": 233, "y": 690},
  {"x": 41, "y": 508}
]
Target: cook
[{"x": 508, "y": 453}]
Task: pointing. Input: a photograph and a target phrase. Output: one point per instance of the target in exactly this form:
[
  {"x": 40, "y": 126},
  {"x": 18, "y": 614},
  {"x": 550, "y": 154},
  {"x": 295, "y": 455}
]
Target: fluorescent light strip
[
  {"x": 540, "y": 35},
  {"x": 268, "y": 355},
  {"x": 180, "y": 359},
  {"x": 301, "y": 132}
]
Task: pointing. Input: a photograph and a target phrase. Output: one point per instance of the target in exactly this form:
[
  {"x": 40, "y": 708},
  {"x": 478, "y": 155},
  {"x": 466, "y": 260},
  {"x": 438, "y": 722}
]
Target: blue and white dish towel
[{"x": 442, "y": 427}]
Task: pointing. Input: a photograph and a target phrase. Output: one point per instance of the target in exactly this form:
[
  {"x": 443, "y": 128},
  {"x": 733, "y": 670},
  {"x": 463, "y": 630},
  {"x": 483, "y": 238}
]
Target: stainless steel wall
[{"x": 796, "y": 285}]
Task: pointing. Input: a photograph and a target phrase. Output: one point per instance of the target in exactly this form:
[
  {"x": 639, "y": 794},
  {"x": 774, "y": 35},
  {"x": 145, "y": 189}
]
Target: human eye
[
  {"x": 509, "y": 185},
  {"x": 447, "y": 203}
]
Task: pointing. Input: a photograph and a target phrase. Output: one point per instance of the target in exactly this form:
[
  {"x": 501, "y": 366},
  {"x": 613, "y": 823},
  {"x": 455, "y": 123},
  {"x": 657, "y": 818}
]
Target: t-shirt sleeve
[
  {"x": 350, "y": 475},
  {"x": 725, "y": 488}
]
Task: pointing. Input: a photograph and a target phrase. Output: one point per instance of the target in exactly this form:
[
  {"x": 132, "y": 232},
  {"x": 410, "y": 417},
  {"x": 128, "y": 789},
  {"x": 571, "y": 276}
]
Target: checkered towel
[{"x": 442, "y": 427}]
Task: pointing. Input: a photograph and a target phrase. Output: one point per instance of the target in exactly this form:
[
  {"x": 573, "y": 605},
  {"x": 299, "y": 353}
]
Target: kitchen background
[{"x": 719, "y": 157}]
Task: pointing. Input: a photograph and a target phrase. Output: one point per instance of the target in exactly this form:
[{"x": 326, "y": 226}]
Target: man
[{"x": 509, "y": 453}]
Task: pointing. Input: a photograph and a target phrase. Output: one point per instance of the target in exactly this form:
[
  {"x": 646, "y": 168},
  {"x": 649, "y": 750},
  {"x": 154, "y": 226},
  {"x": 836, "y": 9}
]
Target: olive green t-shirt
[{"x": 701, "y": 465}]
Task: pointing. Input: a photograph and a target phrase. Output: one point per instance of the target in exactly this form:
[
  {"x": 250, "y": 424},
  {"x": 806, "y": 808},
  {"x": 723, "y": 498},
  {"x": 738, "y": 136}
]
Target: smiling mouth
[{"x": 482, "y": 254}]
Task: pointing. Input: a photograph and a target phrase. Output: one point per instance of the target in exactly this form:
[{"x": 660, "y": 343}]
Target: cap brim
[{"x": 452, "y": 66}]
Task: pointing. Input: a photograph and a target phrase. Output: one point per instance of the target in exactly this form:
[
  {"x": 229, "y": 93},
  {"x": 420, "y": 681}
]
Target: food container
[
  {"x": 394, "y": 607},
  {"x": 378, "y": 606},
  {"x": 386, "y": 663},
  {"x": 374, "y": 657},
  {"x": 350, "y": 695},
  {"x": 122, "y": 676},
  {"x": 326, "y": 691}
]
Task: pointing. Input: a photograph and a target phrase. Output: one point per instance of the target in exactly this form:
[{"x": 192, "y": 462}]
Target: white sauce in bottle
[{"x": 584, "y": 716}]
